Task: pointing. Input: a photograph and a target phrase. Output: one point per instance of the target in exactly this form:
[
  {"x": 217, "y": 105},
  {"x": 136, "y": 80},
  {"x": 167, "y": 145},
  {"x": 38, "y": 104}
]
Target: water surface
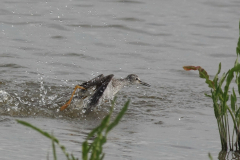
[{"x": 48, "y": 47}]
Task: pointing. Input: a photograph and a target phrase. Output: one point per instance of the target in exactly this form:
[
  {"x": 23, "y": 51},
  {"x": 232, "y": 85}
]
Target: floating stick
[{"x": 67, "y": 104}]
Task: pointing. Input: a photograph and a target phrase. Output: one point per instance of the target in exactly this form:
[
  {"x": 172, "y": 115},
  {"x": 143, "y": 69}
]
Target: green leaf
[
  {"x": 238, "y": 84},
  {"x": 203, "y": 73},
  {"x": 219, "y": 70},
  {"x": 100, "y": 132},
  {"x": 238, "y": 44},
  {"x": 54, "y": 150},
  {"x": 207, "y": 95},
  {"x": 102, "y": 156},
  {"x": 119, "y": 116},
  {"x": 215, "y": 80},
  {"x": 210, "y": 156},
  {"x": 38, "y": 130},
  {"x": 100, "y": 128},
  {"x": 73, "y": 158},
  {"x": 45, "y": 134},
  {"x": 210, "y": 83},
  {"x": 233, "y": 100},
  {"x": 222, "y": 79},
  {"x": 235, "y": 68},
  {"x": 85, "y": 150},
  {"x": 237, "y": 113},
  {"x": 216, "y": 110}
]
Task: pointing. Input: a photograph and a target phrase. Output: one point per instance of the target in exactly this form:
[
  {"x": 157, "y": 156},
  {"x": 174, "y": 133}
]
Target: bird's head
[{"x": 133, "y": 79}]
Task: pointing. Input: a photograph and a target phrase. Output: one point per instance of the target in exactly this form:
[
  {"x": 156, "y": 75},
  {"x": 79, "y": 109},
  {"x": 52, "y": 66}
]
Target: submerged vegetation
[
  {"x": 225, "y": 102},
  {"x": 93, "y": 150}
]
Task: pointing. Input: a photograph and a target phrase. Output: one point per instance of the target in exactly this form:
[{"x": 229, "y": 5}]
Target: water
[{"x": 47, "y": 47}]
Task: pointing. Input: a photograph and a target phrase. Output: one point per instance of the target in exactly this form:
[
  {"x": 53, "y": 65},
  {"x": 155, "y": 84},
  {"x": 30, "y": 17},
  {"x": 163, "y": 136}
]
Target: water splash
[{"x": 3, "y": 96}]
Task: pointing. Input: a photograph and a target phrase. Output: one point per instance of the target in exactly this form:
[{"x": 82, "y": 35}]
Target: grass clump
[
  {"x": 90, "y": 151},
  {"x": 225, "y": 101}
]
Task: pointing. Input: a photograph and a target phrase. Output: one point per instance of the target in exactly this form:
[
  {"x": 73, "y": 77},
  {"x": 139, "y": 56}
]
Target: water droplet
[{"x": 84, "y": 110}]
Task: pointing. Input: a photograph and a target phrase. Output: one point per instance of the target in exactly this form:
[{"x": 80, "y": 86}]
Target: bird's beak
[{"x": 145, "y": 84}]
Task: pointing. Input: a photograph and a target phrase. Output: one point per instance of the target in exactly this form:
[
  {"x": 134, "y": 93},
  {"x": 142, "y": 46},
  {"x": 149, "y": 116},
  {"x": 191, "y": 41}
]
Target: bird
[{"x": 102, "y": 88}]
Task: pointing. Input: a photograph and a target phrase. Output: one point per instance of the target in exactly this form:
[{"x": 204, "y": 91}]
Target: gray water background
[{"x": 47, "y": 47}]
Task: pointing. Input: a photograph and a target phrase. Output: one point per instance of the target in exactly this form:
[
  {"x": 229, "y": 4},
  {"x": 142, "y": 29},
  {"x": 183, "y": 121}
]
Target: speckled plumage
[{"x": 103, "y": 88}]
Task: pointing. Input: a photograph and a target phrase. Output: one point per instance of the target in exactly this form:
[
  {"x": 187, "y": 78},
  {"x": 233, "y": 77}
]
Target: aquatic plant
[
  {"x": 93, "y": 150},
  {"x": 220, "y": 97},
  {"x": 210, "y": 156}
]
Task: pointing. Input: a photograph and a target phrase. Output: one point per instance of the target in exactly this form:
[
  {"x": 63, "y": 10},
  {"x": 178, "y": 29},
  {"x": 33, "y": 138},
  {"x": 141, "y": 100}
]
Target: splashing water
[{"x": 39, "y": 99}]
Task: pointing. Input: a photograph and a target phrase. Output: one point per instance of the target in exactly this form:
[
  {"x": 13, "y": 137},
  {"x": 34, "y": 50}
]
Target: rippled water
[{"x": 47, "y": 47}]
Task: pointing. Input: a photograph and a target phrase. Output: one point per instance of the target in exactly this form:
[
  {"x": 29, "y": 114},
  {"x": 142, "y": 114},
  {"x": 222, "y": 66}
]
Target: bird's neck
[{"x": 119, "y": 84}]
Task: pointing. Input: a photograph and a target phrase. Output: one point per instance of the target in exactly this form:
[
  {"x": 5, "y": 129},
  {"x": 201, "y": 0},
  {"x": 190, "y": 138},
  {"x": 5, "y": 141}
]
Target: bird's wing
[
  {"x": 89, "y": 85},
  {"x": 93, "y": 82},
  {"x": 85, "y": 89},
  {"x": 101, "y": 86}
]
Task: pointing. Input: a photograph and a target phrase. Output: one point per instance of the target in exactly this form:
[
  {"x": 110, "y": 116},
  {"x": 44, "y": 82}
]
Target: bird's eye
[{"x": 136, "y": 78}]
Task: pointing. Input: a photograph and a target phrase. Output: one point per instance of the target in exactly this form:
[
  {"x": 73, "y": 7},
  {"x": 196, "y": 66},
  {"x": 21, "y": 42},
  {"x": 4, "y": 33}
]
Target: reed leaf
[
  {"x": 119, "y": 117},
  {"x": 85, "y": 150},
  {"x": 95, "y": 149},
  {"x": 100, "y": 128},
  {"x": 46, "y": 134},
  {"x": 220, "y": 97},
  {"x": 54, "y": 150},
  {"x": 215, "y": 80},
  {"x": 238, "y": 44},
  {"x": 233, "y": 101}
]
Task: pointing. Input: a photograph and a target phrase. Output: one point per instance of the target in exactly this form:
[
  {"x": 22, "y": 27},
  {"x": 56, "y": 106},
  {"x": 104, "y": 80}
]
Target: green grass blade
[
  {"x": 219, "y": 68},
  {"x": 238, "y": 83},
  {"x": 54, "y": 150},
  {"x": 85, "y": 150},
  {"x": 238, "y": 44},
  {"x": 100, "y": 128},
  {"x": 235, "y": 68},
  {"x": 220, "y": 97},
  {"x": 237, "y": 113},
  {"x": 210, "y": 156},
  {"x": 46, "y": 135},
  {"x": 96, "y": 147},
  {"x": 215, "y": 105},
  {"x": 38, "y": 130},
  {"x": 207, "y": 95},
  {"x": 73, "y": 158},
  {"x": 222, "y": 79},
  {"x": 119, "y": 116},
  {"x": 113, "y": 101},
  {"x": 102, "y": 156},
  {"x": 216, "y": 76},
  {"x": 233, "y": 101}
]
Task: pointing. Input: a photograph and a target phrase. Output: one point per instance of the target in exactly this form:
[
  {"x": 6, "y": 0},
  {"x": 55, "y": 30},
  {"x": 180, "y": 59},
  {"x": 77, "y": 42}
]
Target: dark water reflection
[{"x": 47, "y": 47}]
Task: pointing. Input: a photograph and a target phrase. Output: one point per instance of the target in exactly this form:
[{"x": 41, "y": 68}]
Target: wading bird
[{"x": 102, "y": 88}]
